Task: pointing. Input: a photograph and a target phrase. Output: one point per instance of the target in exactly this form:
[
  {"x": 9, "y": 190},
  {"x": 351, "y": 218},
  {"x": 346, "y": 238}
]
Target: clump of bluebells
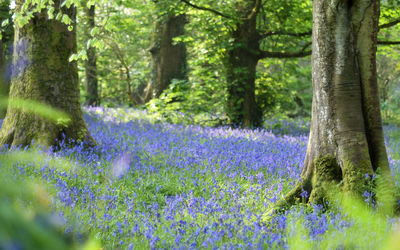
[{"x": 159, "y": 185}]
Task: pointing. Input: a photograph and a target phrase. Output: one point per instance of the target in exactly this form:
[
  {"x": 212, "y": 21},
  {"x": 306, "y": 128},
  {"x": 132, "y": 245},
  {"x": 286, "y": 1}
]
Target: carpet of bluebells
[{"x": 158, "y": 185}]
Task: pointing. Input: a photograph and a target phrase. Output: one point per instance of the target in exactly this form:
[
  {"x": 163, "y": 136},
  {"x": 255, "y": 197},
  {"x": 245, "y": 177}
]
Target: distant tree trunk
[
  {"x": 5, "y": 53},
  {"x": 346, "y": 139},
  {"x": 241, "y": 62},
  {"x": 168, "y": 59},
  {"x": 43, "y": 73},
  {"x": 92, "y": 98},
  {"x": 242, "y": 56}
]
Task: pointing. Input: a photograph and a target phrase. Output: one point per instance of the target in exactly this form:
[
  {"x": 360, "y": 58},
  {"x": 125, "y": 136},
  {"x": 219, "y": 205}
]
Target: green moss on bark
[
  {"x": 327, "y": 172},
  {"x": 354, "y": 177},
  {"x": 42, "y": 73}
]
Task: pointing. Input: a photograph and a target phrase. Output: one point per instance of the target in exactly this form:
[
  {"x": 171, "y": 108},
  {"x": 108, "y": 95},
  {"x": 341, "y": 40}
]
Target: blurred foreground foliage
[{"x": 27, "y": 221}]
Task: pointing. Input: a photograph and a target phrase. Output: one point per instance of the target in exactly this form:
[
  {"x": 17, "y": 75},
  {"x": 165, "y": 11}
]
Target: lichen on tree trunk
[
  {"x": 42, "y": 73},
  {"x": 346, "y": 139}
]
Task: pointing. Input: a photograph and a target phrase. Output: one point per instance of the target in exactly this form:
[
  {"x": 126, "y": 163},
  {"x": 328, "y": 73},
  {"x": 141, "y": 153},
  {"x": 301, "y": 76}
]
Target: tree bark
[
  {"x": 346, "y": 139},
  {"x": 168, "y": 59},
  {"x": 92, "y": 98},
  {"x": 241, "y": 62},
  {"x": 42, "y": 73},
  {"x": 5, "y": 53}
]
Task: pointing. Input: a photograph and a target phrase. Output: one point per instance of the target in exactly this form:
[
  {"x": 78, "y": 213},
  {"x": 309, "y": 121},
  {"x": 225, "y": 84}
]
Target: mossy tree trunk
[
  {"x": 42, "y": 73},
  {"x": 92, "y": 96},
  {"x": 241, "y": 62},
  {"x": 346, "y": 139},
  {"x": 168, "y": 59},
  {"x": 6, "y": 42}
]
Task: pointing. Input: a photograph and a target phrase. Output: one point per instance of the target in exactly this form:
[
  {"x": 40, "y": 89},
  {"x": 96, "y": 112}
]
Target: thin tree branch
[
  {"x": 389, "y": 24},
  {"x": 388, "y": 42},
  {"x": 285, "y": 33},
  {"x": 206, "y": 9},
  {"x": 308, "y": 33},
  {"x": 252, "y": 14},
  {"x": 255, "y": 10},
  {"x": 301, "y": 53}
]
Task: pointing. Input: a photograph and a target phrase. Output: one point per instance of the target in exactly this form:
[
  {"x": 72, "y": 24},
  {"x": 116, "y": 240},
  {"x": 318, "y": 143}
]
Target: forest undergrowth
[{"x": 161, "y": 186}]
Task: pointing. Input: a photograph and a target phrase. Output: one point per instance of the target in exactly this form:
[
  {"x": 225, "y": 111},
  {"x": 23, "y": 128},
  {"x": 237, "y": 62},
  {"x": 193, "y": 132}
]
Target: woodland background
[{"x": 121, "y": 34}]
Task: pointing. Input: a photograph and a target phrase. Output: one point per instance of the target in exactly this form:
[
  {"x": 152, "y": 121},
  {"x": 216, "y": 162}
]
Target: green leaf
[
  {"x": 50, "y": 12},
  {"x": 59, "y": 16},
  {"x": 73, "y": 57},
  {"x": 66, "y": 19},
  {"x": 5, "y": 23}
]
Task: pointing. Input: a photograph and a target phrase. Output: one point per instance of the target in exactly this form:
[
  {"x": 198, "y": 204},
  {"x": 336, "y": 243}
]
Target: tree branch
[
  {"x": 301, "y": 53},
  {"x": 255, "y": 10},
  {"x": 389, "y": 24},
  {"x": 308, "y": 33},
  {"x": 285, "y": 33},
  {"x": 252, "y": 14},
  {"x": 206, "y": 9},
  {"x": 388, "y": 42}
]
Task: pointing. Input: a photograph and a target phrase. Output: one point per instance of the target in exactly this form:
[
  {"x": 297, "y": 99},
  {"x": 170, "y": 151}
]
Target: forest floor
[{"x": 159, "y": 185}]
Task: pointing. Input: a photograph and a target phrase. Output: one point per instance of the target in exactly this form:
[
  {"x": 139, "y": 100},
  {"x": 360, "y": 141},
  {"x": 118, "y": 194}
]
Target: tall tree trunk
[
  {"x": 42, "y": 73},
  {"x": 5, "y": 53},
  {"x": 168, "y": 59},
  {"x": 92, "y": 98},
  {"x": 346, "y": 139},
  {"x": 241, "y": 62}
]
